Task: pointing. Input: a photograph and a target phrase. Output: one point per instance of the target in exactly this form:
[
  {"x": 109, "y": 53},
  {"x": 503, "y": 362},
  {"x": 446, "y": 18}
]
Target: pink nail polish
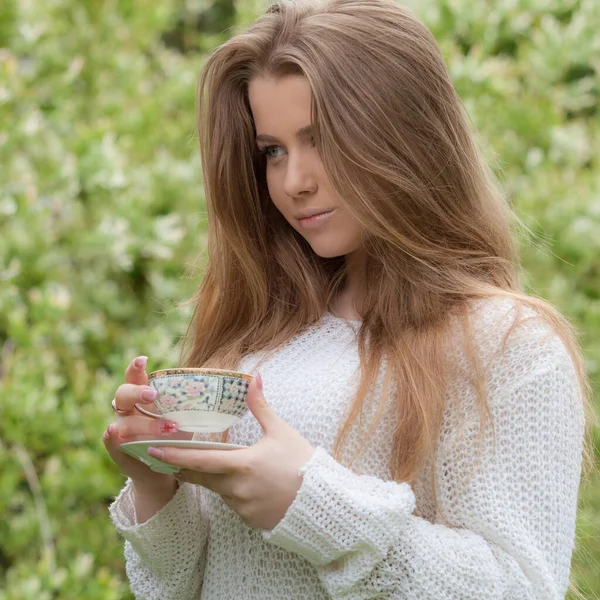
[
  {"x": 155, "y": 452},
  {"x": 259, "y": 380},
  {"x": 141, "y": 361},
  {"x": 149, "y": 395}
]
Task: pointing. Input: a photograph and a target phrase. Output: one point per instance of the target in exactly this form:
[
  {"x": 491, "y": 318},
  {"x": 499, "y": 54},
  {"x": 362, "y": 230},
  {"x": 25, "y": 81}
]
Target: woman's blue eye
[{"x": 268, "y": 151}]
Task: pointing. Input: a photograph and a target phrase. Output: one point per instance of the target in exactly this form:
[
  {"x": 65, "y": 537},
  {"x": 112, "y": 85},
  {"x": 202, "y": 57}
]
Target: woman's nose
[{"x": 300, "y": 177}]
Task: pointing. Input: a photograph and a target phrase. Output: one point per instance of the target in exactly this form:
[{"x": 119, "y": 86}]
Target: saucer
[{"x": 139, "y": 450}]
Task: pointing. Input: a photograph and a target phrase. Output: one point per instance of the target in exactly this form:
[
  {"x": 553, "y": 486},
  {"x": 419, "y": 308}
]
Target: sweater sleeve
[
  {"x": 505, "y": 524},
  {"x": 165, "y": 555}
]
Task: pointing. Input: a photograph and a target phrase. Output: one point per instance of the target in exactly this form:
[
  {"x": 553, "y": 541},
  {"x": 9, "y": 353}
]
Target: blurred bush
[{"x": 102, "y": 230}]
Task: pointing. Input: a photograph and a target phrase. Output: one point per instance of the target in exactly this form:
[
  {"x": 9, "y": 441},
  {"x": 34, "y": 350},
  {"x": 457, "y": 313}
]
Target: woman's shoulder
[{"x": 514, "y": 335}]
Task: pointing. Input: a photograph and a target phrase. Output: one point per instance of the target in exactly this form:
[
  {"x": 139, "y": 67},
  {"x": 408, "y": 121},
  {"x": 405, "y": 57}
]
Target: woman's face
[{"x": 297, "y": 182}]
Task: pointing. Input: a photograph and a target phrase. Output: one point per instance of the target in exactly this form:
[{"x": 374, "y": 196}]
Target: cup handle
[{"x": 144, "y": 411}]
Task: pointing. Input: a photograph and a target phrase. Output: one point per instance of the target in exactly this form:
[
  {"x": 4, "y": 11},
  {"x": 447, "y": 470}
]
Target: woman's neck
[{"x": 344, "y": 304}]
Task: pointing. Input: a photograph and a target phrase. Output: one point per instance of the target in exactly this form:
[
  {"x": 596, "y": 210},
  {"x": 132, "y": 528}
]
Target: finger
[
  {"x": 107, "y": 434},
  {"x": 233, "y": 503},
  {"x": 205, "y": 461},
  {"x": 217, "y": 483},
  {"x": 134, "y": 426},
  {"x": 136, "y": 371},
  {"x": 257, "y": 403},
  {"x": 110, "y": 443},
  {"x": 130, "y": 394}
]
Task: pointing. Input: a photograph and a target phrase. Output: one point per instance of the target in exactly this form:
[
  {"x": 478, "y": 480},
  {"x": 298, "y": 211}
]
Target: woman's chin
[{"x": 327, "y": 252}]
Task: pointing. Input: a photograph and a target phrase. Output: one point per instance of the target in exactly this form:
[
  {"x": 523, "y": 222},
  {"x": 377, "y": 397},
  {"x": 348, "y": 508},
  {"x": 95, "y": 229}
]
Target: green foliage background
[{"x": 102, "y": 230}]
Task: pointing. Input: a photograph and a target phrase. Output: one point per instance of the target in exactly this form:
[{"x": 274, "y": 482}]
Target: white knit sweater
[{"x": 506, "y": 532}]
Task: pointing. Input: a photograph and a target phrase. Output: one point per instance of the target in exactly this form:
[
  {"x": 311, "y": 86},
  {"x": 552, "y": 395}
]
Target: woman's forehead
[{"x": 280, "y": 107}]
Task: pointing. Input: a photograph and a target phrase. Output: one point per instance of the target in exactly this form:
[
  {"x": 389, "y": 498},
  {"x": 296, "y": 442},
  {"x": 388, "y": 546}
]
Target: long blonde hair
[{"x": 396, "y": 146}]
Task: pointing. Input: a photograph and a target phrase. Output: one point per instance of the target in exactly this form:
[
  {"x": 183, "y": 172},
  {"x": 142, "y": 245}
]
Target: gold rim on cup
[
  {"x": 187, "y": 371},
  {"x": 200, "y": 371}
]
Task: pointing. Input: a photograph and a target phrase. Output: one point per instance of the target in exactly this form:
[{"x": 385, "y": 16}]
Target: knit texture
[{"x": 504, "y": 524}]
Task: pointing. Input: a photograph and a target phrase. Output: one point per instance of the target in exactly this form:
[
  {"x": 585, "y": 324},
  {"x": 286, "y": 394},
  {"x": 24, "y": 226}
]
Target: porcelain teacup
[{"x": 199, "y": 399}]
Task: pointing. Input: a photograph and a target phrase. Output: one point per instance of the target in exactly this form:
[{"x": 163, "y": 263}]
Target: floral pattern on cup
[{"x": 201, "y": 392}]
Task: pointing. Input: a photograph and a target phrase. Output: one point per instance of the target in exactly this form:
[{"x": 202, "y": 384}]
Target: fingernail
[
  {"x": 140, "y": 362},
  {"x": 149, "y": 395},
  {"x": 169, "y": 427},
  {"x": 259, "y": 380},
  {"x": 109, "y": 429},
  {"x": 155, "y": 452}
]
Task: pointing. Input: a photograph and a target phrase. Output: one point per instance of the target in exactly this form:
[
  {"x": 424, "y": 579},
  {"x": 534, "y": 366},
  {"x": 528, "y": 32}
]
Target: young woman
[{"x": 416, "y": 429}]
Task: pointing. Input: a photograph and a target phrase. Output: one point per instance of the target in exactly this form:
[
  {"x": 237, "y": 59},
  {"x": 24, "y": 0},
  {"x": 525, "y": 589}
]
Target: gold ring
[{"x": 121, "y": 413}]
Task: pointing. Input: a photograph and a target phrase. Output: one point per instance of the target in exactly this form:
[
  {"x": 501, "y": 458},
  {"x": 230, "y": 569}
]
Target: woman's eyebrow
[{"x": 302, "y": 132}]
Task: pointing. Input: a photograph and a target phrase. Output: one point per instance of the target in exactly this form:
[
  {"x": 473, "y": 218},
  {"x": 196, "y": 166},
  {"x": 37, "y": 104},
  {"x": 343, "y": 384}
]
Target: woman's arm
[
  {"x": 165, "y": 555},
  {"x": 506, "y": 523}
]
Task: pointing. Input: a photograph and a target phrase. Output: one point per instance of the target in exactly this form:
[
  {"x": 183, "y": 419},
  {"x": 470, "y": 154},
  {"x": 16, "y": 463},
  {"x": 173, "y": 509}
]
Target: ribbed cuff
[
  {"x": 337, "y": 511},
  {"x": 164, "y": 530}
]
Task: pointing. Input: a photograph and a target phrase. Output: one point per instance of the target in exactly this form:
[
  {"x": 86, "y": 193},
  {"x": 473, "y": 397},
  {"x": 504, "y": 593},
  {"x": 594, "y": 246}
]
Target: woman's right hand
[{"x": 136, "y": 426}]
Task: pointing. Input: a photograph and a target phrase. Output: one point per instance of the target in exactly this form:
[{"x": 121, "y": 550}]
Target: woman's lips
[{"x": 316, "y": 220}]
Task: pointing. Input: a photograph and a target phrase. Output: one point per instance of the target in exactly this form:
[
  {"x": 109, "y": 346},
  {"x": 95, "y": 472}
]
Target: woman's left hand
[{"x": 259, "y": 483}]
